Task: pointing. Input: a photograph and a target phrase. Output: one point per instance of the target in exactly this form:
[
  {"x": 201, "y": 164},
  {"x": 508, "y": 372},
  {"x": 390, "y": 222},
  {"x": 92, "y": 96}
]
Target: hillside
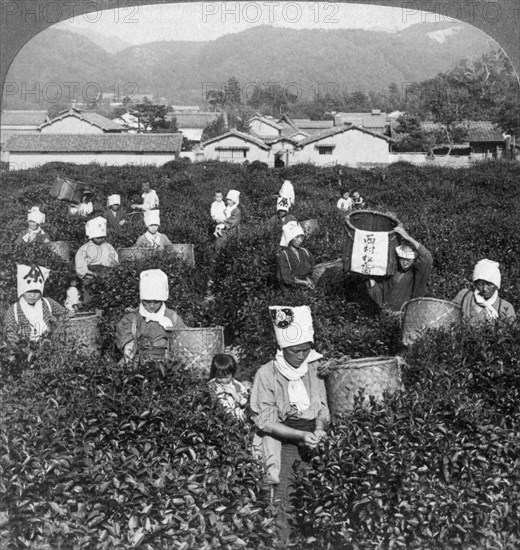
[{"x": 350, "y": 59}]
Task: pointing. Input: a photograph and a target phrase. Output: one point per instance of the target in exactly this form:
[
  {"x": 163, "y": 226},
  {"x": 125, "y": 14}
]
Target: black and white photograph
[{"x": 259, "y": 275}]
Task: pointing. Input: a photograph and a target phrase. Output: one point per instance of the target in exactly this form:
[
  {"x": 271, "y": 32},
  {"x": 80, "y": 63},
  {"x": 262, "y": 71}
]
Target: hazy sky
[{"x": 209, "y": 20}]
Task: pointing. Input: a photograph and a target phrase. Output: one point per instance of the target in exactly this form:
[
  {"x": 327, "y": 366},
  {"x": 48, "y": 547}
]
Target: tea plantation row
[{"x": 94, "y": 455}]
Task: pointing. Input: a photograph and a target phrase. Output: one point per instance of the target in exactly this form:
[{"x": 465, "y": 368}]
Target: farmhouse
[
  {"x": 235, "y": 146},
  {"x": 375, "y": 120},
  {"x": 29, "y": 151},
  {"x": 76, "y": 121},
  {"x": 17, "y": 122},
  {"x": 346, "y": 144}
]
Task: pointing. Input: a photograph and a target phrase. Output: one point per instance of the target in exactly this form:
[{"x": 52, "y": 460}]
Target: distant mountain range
[{"x": 315, "y": 60}]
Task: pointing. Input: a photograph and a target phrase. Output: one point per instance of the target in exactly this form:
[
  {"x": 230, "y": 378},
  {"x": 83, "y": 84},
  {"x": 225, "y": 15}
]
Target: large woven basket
[
  {"x": 373, "y": 222},
  {"x": 61, "y": 249},
  {"x": 82, "y": 332},
  {"x": 65, "y": 189},
  {"x": 345, "y": 377},
  {"x": 184, "y": 251},
  {"x": 135, "y": 254},
  {"x": 310, "y": 227},
  {"x": 195, "y": 347},
  {"x": 421, "y": 314}
]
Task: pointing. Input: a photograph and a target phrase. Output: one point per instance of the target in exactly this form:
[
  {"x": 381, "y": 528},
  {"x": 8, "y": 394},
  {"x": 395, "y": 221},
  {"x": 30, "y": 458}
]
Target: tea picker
[
  {"x": 482, "y": 304},
  {"x": 146, "y": 332},
  {"x": 34, "y": 234},
  {"x": 287, "y": 192},
  {"x": 414, "y": 264},
  {"x": 230, "y": 227},
  {"x": 152, "y": 238},
  {"x": 150, "y": 198},
  {"x": 295, "y": 263},
  {"x": 85, "y": 207},
  {"x": 282, "y": 216},
  {"x": 32, "y": 316},
  {"x": 115, "y": 215}
]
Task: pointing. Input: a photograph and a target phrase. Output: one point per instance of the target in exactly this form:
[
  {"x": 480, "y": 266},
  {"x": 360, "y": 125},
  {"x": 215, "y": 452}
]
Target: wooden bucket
[
  {"x": 184, "y": 251},
  {"x": 134, "y": 254},
  {"x": 82, "y": 332},
  {"x": 321, "y": 269},
  {"x": 421, "y": 314},
  {"x": 61, "y": 249},
  {"x": 345, "y": 377},
  {"x": 377, "y": 230},
  {"x": 195, "y": 347},
  {"x": 310, "y": 227}
]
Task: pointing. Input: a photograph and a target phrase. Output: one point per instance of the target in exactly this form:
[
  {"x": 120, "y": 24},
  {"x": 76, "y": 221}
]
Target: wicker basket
[
  {"x": 134, "y": 254},
  {"x": 61, "y": 249},
  {"x": 373, "y": 222},
  {"x": 321, "y": 269},
  {"x": 184, "y": 251},
  {"x": 421, "y": 314},
  {"x": 310, "y": 227},
  {"x": 82, "y": 332},
  {"x": 65, "y": 189},
  {"x": 195, "y": 347},
  {"x": 345, "y": 377}
]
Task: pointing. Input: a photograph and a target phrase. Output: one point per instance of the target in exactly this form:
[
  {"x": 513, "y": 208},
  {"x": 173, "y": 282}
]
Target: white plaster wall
[
  {"x": 254, "y": 152},
  {"x": 23, "y": 161},
  {"x": 351, "y": 148},
  {"x": 71, "y": 125},
  {"x": 262, "y": 129}
]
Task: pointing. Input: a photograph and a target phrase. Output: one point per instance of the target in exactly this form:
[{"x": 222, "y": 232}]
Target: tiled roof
[
  {"x": 241, "y": 135},
  {"x": 91, "y": 117},
  {"x": 368, "y": 120},
  {"x": 193, "y": 120},
  {"x": 23, "y": 118},
  {"x": 338, "y": 130},
  {"x": 109, "y": 143},
  {"x": 478, "y": 131},
  {"x": 306, "y": 124},
  {"x": 269, "y": 121}
]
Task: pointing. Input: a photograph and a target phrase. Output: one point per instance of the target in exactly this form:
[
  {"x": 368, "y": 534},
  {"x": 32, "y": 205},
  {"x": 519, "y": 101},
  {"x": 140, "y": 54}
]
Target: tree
[{"x": 151, "y": 118}]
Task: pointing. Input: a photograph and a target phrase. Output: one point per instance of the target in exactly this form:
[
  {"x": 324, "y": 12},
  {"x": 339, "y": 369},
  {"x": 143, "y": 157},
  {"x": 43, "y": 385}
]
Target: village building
[
  {"x": 76, "y": 121},
  {"x": 346, "y": 144},
  {"x": 13, "y": 122},
  {"x": 111, "y": 149},
  {"x": 376, "y": 121},
  {"x": 235, "y": 146}
]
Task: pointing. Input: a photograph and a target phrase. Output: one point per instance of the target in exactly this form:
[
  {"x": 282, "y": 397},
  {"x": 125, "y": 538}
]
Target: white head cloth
[
  {"x": 113, "y": 199},
  {"x": 153, "y": 285},
  {"x": 30, "y": 278},
  {"x": 406, "y": 252},
  {"x": 35, "y": 215},
  {"x": 487, "y": 270},
  {"x": 282, "y": 203},
  {"x": 292, "y": 325},
  {"x": 97, "y": 227},
  {"x": 290, "y": 231},
  {"x": 152, "y": 217},
  {"x": 234, "y": 196}
]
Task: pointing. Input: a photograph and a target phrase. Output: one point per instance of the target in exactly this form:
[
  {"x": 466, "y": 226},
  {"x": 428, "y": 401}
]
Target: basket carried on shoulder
[
  {"x": 195, "y": 347},
  {"x": 421, "y": 314},
  {"x": 345, "y": 377},
  {"x": 82, "y": 333},
  {"x": 65, "y": 189}
]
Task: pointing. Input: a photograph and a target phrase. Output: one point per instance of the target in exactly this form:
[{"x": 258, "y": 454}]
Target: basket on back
[
  {"x": 65, "y": 189},
  {"x": 370, "y": 242},
  {"x": 183, "y": 251},
  {"x": 195, "y": 347},
  {"x": 346, "y": 377},
  {"x": 421, "y": 314},
  {"x": 82, "y": 333}
]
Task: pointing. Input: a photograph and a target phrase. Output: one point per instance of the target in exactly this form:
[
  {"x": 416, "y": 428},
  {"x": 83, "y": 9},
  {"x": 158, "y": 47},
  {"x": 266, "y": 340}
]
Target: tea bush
[{"x": 434, "y": 467}]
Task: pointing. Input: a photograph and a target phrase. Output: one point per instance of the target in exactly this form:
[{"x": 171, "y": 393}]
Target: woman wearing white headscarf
[
  {"x": 152, "y": 238},
  {"x": 146, "y": 333},
  {"x": 230, "y": 227},
  {"x": 34, "y": 234},
  {"x": 295, "y": 263},
  {"x": 482, "y": 304},
  {"x": 32, "y": 316},
  {"x": 115, "y": 215},
  {"x": 287, "y": 192},
  {"x": 288, "y": 399}
]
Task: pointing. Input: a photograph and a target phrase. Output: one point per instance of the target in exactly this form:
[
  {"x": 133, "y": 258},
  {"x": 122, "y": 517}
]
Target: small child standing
[
  {"x": 230, "y": 393},
  {"x": 218, "y": 208}
]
